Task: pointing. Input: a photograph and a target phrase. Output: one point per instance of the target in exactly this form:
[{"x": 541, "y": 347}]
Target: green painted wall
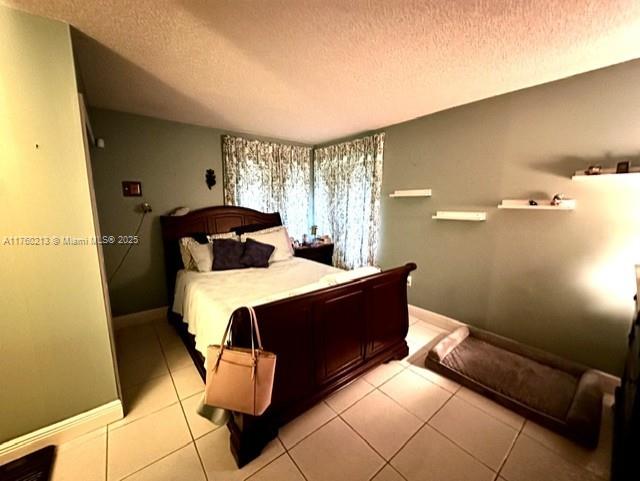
[
  {"x": 55, "y": 357},
  {"x": 170, "y": 159},
  {"x": 562, "y": 281}
]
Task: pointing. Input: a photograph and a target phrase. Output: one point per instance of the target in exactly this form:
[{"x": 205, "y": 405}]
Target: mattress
[{"x": 206, "y": 300}]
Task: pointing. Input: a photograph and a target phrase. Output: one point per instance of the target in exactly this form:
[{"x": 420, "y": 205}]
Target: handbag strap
[{"x": 253, "y": 322}]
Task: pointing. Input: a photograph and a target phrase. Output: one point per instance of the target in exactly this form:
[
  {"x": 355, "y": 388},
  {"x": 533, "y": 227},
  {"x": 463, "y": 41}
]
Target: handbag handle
[{"x": 253, "y": 322}]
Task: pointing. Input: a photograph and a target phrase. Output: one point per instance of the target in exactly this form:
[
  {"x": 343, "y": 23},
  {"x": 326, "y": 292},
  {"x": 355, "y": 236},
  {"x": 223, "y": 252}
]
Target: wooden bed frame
[{"x": 323, "y": 339}]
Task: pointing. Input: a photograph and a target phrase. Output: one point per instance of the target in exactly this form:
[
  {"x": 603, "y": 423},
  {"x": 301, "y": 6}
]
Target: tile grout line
[
  {"x": 316, "y": 429},
  {"x": 296, "y": 465},
  {"x": 172, "y": 404},
  {"x": 151, "y": 413},
  {"x": 184, "y": 415},
  {"x": 472, "y": 404},
  {"x": 415, "y": 415},
  {"x": 493, "y": 470},
  {"x": 396, "y": 470},
  {"x": 365, "y": 441},
  {"x": 379, "y": 470},
  {"x": 286, "y": 450},
  {"x": 425, "y": 423},
  {"x": 154, "y": 462},
  {"x": 513, "y": 444},
  {"x": 572, "y": 463}
]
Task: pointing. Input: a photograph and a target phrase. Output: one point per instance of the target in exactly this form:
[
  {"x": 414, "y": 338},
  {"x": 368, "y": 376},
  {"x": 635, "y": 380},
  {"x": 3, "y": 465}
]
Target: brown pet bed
[{"x": 559, "y": 394}]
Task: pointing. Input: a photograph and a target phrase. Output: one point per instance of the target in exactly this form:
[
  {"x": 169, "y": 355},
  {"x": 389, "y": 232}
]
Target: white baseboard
[
  {"x": 609, "y": 381},
  {"x": 438, "y": 320},
  {"x": 142, "y": 317},
  {"x": 61, "y": 431}
]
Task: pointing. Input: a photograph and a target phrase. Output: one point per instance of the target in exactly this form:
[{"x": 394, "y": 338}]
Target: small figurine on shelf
[
  {"x": 305, "y": 239},
  {"x": 557, "y": 199},
  {"x": 533, "y": 203},
  {"x": 593, "y": 170}
]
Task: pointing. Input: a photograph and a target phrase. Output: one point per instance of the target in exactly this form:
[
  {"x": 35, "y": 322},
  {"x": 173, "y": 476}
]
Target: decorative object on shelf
[
  {"x": 593, "y": 170},
  {"x": 557, "y": 199},
  {"x": 623, "y": 167},
  {"x": 314, "y": 231},
  {"x": 537, "y": 204},
  {"x": 324, "y": 239},
  {"x": 460, "y": 215},
  {"x": 411, "y": 193},
  {"x": 608, "y": 173},
  {"x": 210, "y": 178}
]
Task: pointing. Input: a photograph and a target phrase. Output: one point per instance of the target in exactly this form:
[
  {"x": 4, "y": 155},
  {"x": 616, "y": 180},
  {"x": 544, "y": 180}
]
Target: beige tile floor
[{"x": 398, "y": 422}]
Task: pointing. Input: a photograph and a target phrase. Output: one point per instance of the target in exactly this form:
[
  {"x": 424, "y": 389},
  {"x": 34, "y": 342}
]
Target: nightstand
[{"x": 322, "y": 253}]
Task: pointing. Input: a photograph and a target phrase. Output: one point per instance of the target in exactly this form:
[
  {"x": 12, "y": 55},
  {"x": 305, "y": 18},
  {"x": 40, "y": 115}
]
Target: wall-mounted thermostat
[{"x": 131, "y": 188}]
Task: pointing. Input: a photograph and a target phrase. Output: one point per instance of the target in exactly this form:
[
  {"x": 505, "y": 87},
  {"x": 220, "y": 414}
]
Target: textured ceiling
[{"x": 315, "y": 70}]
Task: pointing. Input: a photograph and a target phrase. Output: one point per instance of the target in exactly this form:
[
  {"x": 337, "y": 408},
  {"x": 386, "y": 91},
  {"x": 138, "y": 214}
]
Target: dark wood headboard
[{"x": 210, "y": 220}]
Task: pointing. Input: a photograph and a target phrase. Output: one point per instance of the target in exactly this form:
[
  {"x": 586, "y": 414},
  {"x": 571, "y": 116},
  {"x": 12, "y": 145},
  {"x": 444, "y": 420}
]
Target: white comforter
[{"x": 207, "y": 300}]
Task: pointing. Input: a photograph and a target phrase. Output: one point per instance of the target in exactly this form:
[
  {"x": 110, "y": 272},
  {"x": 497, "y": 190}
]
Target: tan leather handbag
[{"x": 240, "y": 379}]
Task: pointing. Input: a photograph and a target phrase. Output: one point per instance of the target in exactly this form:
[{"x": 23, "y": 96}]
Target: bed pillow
[
  {"x": 275, "y": 236},
  {"x": 244, "y": 229},
  {"x": 187, "y": 260},
  {"x": 256, "y": 254},
  {"x": 201, "y": 255},
  {"x": 200, "y": 238},
  {"x": 227, "y": 254}
]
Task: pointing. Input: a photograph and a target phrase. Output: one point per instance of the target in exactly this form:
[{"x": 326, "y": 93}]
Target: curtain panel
[
  {"x": 347, "y": 189},
  {"x": 269, "y": 177}
]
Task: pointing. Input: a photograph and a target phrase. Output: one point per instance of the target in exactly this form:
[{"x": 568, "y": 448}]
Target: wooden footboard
[{"x": 324, "y": 340}]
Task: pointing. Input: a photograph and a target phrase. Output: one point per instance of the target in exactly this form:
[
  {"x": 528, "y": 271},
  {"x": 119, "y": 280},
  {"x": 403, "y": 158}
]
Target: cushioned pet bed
[{"x": 561, "y": 395}]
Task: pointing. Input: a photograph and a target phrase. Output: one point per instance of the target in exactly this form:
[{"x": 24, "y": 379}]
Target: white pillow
[
  {"x": 187, "y": 258},
  {"x": 278, "y": 237},
  {"x": 201, "y": 255}
]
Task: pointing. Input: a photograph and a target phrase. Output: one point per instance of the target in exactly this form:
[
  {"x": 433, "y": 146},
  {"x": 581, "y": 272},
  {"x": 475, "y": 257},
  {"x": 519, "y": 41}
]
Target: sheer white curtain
[
  {"x": 269, "y": 177},
  {"x": 347, "y": 183}
]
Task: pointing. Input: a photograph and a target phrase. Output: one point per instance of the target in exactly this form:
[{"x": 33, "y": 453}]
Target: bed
[{"x": 325, "y": 336}]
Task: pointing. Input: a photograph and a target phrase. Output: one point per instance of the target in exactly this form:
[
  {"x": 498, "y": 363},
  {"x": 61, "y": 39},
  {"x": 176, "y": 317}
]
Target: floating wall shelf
[
  {"x": 567, "y": 204},
  {"x": 606, "y": 174},
  {"x": 460, "y": 215},
  {"x": 411, "y": 193}
]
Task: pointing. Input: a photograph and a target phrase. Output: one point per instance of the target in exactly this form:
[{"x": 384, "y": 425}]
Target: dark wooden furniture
[
  {"x": 323, "y": 339},
  {"x": 322, "y": 253},
  {"x": 626, "y": 439}
]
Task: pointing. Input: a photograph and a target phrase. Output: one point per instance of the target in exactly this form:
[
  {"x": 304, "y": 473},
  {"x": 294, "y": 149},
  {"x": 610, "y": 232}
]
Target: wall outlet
[{"x": 409, "y": 281}]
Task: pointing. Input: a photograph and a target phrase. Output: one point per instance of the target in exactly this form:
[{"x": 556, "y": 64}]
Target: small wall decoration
[
  {"x": 210, "y": 178},
  {"x": 623, "y": 167},
  {"x": 131, "y": 188}
]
